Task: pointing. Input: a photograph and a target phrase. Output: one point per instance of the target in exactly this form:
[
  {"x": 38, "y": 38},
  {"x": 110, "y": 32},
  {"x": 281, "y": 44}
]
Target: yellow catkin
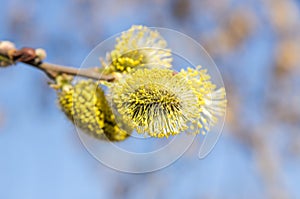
[
  {"x": 86, "y": 106},
  {"x": 160, "y": 102},
  {"x": 211, "y": 101},
  {"x": 138, "y": 47},
  {"x": 156, "y": 101}
]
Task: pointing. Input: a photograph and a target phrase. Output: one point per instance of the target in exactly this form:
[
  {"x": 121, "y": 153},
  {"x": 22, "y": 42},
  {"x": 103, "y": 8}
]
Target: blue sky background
[{"x": 41, "y": 155}]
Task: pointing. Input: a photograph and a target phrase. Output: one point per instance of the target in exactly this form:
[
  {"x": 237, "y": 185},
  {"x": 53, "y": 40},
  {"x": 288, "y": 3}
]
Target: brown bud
[{"x": 24, "y": 55}]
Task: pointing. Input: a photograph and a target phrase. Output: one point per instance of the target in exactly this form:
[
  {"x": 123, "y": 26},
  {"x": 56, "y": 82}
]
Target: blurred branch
[
  {"x": 268, "y": 162},
  {"x": 29, "y": 57},
  {"x": 257, "y": 138}
]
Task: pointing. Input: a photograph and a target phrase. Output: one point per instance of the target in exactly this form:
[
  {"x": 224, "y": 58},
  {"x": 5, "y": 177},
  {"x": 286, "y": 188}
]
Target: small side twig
[{"x": 28, "y": 56}]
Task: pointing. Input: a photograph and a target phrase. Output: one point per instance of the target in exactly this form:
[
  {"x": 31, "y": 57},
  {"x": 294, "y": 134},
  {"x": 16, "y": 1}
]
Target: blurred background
[{"x": 256, "y": 45}]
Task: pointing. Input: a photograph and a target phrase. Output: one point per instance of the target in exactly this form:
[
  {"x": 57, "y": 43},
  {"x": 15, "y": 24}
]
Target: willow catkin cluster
[
  {"x": 86, "y": 106},
  {"x": 148, "y": 95}
]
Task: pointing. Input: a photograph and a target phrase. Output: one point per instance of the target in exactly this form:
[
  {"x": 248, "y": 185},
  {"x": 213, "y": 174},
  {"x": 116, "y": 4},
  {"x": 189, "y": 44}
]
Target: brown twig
[{"x": 27, "y": 56}]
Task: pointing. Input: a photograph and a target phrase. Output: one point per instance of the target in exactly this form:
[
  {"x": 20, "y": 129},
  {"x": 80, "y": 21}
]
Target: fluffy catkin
[{"x": 86, "y": 106}]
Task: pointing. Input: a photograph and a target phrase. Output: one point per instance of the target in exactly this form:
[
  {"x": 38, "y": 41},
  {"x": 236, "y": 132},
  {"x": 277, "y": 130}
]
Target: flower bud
[
  {"x": 6, "y": 45},
  {"x": 40, "y": 53}
]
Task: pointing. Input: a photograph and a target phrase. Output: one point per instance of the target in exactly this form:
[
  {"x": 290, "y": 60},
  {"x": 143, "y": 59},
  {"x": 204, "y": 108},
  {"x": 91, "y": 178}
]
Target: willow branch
[{"x": 52, "y": 70}]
